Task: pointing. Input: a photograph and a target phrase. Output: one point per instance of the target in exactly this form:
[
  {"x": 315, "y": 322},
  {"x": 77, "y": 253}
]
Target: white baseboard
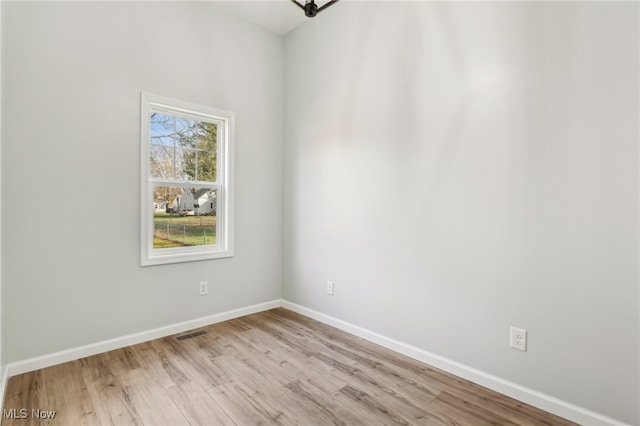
[
  {"x": 537, "y": 399},
  {"x": 44, "y": 361},
  {"x": 4, "y": 378}
]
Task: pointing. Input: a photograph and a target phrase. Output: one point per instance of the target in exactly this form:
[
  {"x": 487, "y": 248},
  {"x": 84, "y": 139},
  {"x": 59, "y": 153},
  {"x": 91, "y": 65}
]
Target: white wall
[
  {"x": 73, "y": 74},
  {"x": 458, "y": 168}
]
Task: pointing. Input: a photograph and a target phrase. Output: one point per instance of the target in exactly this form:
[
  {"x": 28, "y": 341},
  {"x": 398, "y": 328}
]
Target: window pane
[
  {"x": 186, "y": 132},
  {"x": 183, "y": 148},
  {"x": 184, "y": 217},
  {"x": 188, "y": 165},
  {"x": 184, "y": 165},
  {"x": 161, "y": 162},
  {"x": 206, "y": 166},
  {"x": 162, "y": 129},
  {"x": 208, "y": 146}
]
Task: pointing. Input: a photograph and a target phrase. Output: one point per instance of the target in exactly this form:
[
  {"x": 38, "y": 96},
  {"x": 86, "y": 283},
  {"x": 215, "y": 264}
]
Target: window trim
[{"x": 224, "y": 246}]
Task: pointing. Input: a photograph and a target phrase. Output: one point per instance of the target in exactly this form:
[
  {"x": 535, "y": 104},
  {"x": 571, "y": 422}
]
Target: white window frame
[{"x": 224, "y": 185}]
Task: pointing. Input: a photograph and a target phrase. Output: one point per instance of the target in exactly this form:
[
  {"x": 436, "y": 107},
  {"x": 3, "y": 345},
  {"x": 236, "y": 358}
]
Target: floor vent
[{"x": 190, "y": 335}]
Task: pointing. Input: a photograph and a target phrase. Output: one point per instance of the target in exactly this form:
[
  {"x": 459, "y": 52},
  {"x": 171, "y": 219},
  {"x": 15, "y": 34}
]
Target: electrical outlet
[
  {"x": 518, "y": 339},
  {"x": 330, "y": 288},
  {"x": 204, "y": 288}
]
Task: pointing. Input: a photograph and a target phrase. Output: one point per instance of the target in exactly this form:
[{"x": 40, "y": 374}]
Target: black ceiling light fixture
[{"x": 311, "y": 9}]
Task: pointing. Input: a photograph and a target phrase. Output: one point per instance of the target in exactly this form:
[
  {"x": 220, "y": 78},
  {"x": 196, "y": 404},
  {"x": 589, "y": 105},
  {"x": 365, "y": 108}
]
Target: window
[{"x": 187, "y": 182}]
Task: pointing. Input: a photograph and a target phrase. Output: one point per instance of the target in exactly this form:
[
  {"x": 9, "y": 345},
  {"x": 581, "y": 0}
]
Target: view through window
[{"x": 187, "y": 150}]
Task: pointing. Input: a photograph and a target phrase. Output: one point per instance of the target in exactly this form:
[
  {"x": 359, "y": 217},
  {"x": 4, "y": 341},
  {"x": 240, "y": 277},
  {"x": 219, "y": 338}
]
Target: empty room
[{"x": 320, "y": 212}]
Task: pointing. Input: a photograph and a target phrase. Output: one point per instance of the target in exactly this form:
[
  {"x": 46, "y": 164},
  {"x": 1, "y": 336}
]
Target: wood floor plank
[
  {"x": 246, "y": 407},
  {"x": 151, "y": 402},
  {"x": 329, "y": 409},
  {"x": 383, "y": 394},
  {"x": 196, "y": 361},
  {"x": 459, "y": 411},
  {"x": 198, "y": 407},
  {"x": 271, "y": 368},
  {"x": 369, "y": 402},
  {"x": 300, "y": 347},
  {"x": 103, "y": 386},
  {"x": 73, "y": 389},
  {"x": 379, "y": 373}
]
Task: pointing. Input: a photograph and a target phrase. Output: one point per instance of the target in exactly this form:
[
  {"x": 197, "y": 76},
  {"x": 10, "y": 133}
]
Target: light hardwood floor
[{"x": 274, "y": 367}]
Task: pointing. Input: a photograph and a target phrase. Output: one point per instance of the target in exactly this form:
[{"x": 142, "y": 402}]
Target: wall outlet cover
[
  {"x": 518, "y": 339},
  {"x": 330, "y": 288}
]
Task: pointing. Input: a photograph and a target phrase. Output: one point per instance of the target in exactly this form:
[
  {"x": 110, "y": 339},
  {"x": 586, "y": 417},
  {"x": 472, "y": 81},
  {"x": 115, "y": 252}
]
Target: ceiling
[{"x": 280, "y": 16}]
